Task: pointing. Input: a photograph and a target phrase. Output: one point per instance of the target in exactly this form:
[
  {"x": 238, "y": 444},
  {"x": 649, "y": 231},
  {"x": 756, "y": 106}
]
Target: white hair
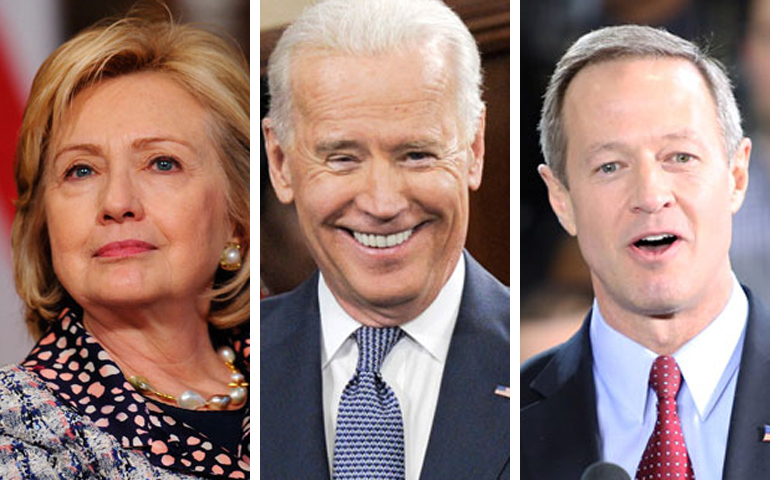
[{"x": 372, "y": 27}]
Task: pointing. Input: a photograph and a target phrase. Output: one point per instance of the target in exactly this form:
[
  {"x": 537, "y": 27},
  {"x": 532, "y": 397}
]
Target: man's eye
[
  {"x": 342, "y": 163},
  {"x": 79, "y": 171},
  {"x": 609, "y": 167},
  {"x": 164, "y": 164},
  {"x": 418, "y": 156},
  {"x": 341, "y": 159},
  {"x": 682, "y": 157}
]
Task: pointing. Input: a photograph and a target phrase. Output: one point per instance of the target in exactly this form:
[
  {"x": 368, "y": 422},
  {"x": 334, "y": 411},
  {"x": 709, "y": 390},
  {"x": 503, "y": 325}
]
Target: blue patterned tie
[{"x": 370, "y": 430}]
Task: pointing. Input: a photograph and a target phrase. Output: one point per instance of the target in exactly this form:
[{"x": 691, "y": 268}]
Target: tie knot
[
  {"x": 665, "y": 377},
  {"x": 373, "y": 345}
]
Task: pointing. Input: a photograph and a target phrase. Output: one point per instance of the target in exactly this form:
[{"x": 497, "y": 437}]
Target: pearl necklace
[{"x": 192, "y": 400}]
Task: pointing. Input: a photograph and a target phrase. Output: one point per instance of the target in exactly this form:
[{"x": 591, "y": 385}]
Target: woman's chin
[{"x": 121, "y": 291}]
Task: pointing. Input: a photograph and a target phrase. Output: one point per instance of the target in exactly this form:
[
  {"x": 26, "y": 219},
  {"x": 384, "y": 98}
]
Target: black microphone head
[{"x": 604, "y": 471}]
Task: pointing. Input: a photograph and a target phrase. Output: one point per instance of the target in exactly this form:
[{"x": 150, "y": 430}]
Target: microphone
[{"x": 604, "y": 471}]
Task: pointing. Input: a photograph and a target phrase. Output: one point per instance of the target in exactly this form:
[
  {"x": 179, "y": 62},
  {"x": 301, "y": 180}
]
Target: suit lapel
[
  {"x": 747, "y": 456},
  {"x": 559, "y": 433},
  {"x": 293, "y": 444},
  {"x": 470, "y": 437}
]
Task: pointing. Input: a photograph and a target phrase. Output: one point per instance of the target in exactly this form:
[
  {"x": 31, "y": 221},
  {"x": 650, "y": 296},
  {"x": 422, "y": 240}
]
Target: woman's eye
[
  {"x": 165, "y": 164},
  {"x": 79, "y": 171}
]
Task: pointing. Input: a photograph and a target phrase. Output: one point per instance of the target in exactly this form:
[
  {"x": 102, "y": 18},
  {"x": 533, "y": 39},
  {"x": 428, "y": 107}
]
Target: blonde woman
[{"x": 131, "y": 253}]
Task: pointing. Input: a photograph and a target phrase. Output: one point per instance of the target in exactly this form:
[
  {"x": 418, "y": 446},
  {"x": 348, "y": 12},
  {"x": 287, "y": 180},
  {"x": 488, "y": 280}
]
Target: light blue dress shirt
[{"x": 627, "y": 406}]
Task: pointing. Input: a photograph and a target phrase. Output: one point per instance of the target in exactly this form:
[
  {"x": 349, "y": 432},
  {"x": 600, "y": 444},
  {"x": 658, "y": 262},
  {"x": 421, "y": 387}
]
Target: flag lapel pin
[
  {"x": 766, "y": 436},
  {"x": 504, "y": 391}
]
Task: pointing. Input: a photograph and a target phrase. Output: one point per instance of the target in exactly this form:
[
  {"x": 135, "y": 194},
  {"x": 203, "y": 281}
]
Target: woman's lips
[{"x": 124, "y": 248}]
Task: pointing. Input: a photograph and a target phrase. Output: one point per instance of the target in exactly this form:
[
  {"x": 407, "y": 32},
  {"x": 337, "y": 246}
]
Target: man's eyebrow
[
  {"x": 416, "y": 145},
  {"x": 683, "y": 135},
  {"x": 598, "y": 148},
  {"x": 326, "y": 147},
  {"x": 605, "y": 147},
  {"x": 331, "y": 146}
]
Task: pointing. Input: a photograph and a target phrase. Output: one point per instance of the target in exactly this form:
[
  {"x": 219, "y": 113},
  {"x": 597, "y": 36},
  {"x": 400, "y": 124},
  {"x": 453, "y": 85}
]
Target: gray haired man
[{"x": 646, "y": 164}]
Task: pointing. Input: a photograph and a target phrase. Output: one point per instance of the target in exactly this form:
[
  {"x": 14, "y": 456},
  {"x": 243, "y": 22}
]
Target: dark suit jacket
[
  {"x": 559, "y": 432},
  {"x": 470, "y": 434}
]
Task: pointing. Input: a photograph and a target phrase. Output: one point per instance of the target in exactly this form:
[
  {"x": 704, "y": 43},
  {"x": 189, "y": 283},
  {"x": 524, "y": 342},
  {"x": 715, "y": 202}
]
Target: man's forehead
[
  {"x": 399, "y": 72},
  {"x": 348, "y": 98},
  {"x": 660, "y": 68},
  {"x": 617, "y": 83}
]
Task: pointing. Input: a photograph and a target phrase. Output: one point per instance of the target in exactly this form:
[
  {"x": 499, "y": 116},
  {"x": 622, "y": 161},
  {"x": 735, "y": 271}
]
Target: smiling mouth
[
  {"x": 373, "y": 240},
  {"x": 655, "y": 243}
]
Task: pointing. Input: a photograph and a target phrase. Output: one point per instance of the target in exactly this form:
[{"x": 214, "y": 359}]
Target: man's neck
[
  {"x": 398, "y": 315},
  {"x": 667, "y": 332}
]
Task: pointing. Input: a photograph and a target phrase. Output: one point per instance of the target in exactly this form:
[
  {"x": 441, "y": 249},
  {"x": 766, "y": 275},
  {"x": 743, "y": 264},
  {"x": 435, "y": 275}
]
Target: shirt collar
[
  {"x": 707, "y": 361},
  {"x": 711, "y": 358},
  {"x": 432, "y": 329}
]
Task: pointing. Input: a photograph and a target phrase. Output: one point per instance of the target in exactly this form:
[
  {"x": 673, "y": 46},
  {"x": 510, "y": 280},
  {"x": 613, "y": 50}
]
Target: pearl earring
[{"x": 231, "y": 257}]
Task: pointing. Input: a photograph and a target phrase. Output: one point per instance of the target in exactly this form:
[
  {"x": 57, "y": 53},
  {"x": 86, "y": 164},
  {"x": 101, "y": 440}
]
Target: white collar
[
  {"x": 707, "y": 361},
  {"x": 432, "y": 329}
]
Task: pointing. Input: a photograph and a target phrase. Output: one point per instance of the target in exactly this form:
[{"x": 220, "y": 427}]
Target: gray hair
[
  {"x": 629, "y": 41},
  {"x": 371, "y": 27}
]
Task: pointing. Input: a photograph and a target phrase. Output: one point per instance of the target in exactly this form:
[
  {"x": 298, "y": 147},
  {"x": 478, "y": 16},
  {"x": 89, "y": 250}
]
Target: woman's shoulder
[
  {"x": 29, "y": 410},
  {"x": 40, "y": 435},
  {"x": 32, "y": 423},
  {"x": 19, "y": 387}
]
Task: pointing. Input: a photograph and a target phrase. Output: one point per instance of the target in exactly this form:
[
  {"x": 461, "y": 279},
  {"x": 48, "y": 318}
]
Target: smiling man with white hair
[{"x": 393, "y": 361}]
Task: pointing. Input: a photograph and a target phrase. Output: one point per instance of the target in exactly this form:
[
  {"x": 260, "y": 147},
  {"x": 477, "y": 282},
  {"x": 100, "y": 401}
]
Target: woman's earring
[{"x": 231, "y": 257}]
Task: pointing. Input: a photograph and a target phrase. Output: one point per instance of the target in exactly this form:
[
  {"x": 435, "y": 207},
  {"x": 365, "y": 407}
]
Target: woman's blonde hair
[{"x": 210, "y": 68}]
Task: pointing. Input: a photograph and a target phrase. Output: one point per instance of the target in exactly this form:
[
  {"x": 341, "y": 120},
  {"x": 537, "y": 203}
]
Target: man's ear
[
  {"x": 739, "y": 174},
  {"x": 559, "y": 198},
  {"x": 280, "y": 174},
  {"x": 476, "y": 164}
]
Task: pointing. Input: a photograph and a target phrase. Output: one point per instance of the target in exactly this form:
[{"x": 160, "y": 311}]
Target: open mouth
[{"x": 655, "y": 243}]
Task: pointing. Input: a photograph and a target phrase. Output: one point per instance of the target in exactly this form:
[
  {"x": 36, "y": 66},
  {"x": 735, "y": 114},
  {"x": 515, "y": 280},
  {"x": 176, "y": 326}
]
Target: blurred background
[
  {"x": 284, "y": 259},
  {"x": 30, "y": 30},
  {"x": 555, "y": 283}
]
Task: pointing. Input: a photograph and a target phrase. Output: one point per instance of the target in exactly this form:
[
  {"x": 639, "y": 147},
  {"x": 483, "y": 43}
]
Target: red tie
[{"x": 666, "y": 454}]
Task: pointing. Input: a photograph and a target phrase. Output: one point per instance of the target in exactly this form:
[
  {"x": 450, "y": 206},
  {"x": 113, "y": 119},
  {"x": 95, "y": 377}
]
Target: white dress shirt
[
  {"x": 413, "y": 368},
  {"x": 627, "y": 406}
]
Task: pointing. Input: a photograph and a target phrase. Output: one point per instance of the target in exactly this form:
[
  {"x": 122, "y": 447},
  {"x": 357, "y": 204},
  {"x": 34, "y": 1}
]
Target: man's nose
[
  {"x": 120, "y": 199},
  {"x": 382, "y": 195},
  {"x": 652, "y": 189}
]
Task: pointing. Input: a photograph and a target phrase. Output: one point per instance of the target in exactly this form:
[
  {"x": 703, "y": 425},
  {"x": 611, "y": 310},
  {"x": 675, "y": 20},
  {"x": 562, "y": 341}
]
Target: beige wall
[{"x": 274, "y": 13}]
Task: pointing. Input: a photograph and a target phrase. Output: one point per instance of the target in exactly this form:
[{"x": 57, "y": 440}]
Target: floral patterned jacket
[{"x": 67, "y": 412}]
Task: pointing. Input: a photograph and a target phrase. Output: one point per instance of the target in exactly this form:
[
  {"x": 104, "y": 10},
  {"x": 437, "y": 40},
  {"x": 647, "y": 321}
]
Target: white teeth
[
  {"x": 657, "y": 238},
  {"x": 382, "y": 241}
]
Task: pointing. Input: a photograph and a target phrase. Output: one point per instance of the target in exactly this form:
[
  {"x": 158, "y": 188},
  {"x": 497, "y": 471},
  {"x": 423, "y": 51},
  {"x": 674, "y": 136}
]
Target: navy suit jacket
[
  {"x": 470, "y": 436},
  {"x": 559, "y": 430}
]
